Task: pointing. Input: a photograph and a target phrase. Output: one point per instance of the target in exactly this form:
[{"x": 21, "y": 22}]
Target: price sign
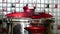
[
  {"x": 17, "y": 1},
  {"x": 4, "y": 1},
  {"x": 4, "y": 9}
]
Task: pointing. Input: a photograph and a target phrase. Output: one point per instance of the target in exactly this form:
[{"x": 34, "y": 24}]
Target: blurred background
[{"x": 50, "y": 6}]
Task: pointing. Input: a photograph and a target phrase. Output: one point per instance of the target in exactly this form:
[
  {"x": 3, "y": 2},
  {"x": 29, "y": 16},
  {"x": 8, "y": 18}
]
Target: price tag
[
  {"x": 56, "y": 6},
  {"x": 4, "y": 1},
  {"x": 47, "y": 6},
  {"x": 4, "y": 9},
  {"x": 17, "y": 1},
  {"x": 58, "y": 27}
]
